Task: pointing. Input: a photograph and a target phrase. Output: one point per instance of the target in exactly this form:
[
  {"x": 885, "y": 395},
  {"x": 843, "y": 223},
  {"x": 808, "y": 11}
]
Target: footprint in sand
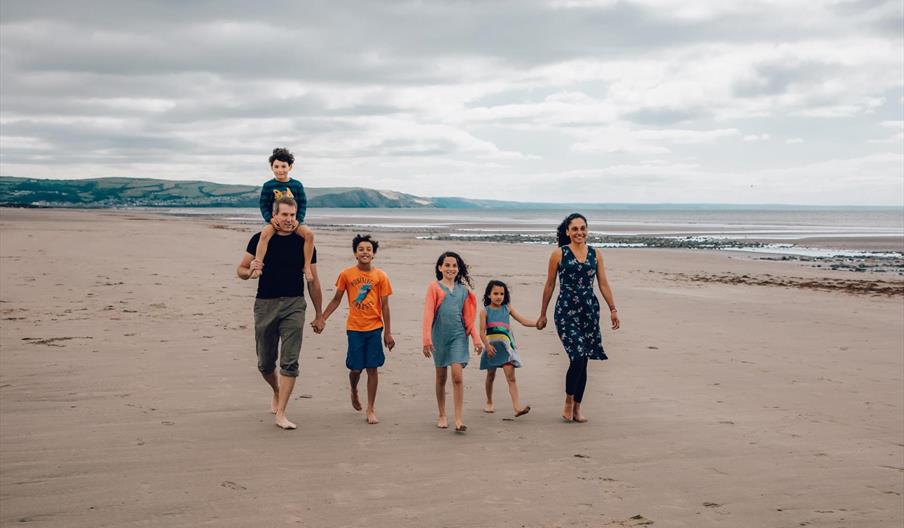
[{"x": 636, "y": 520}]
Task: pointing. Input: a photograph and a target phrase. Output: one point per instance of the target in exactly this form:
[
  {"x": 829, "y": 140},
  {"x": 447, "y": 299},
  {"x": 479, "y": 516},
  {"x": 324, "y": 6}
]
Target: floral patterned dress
[{"x": 577, "y": 314}]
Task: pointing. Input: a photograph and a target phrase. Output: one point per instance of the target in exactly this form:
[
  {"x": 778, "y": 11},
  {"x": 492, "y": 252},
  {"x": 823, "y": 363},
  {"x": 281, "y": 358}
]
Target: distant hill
[{"x": 145, "y": 192}]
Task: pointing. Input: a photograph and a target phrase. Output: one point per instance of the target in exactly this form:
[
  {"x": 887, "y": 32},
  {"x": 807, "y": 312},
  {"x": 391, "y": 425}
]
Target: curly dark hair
[
  {"x": 462, "y": 277},
  {"x": 562, "y": 238},
  {"x": 492, "y": 284},
  {"x": 364, "y": 238},
  {"x": 282, "y": 154}
]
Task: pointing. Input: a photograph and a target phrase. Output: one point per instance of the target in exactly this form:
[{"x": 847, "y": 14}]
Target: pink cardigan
[{"x": 434, "y": 298}]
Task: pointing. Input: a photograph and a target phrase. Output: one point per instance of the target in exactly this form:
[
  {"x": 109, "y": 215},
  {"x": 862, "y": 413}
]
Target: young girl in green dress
[{"x": 449, "y": 311}]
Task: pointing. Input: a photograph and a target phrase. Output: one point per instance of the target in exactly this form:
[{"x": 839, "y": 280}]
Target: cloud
[
  {"x": 897, "y": 138},
  {"x": 411, "y": 93}
]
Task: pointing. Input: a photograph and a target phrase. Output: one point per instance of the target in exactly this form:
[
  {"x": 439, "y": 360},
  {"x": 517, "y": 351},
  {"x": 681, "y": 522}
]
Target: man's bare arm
[
  {"x": 315, "y": 293},
  {"x": 246, "y": 266}
]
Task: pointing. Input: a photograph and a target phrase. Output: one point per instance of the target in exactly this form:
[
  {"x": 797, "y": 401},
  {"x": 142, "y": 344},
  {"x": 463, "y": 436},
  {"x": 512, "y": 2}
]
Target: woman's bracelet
[{"x": 613, "y": 310}]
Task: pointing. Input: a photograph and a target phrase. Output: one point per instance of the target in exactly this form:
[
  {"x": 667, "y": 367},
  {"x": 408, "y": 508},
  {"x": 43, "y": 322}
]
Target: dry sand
[{"x": 129, "y": 394}]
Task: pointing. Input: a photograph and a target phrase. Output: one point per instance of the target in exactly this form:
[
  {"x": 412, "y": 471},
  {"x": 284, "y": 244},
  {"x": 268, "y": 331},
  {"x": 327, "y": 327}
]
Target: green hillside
[{"x": 143, "y": 192}]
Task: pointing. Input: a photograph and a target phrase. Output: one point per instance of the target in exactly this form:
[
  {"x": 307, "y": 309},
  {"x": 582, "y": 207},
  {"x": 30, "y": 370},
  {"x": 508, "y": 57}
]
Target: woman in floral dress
[{"x": 577, "y": 312}]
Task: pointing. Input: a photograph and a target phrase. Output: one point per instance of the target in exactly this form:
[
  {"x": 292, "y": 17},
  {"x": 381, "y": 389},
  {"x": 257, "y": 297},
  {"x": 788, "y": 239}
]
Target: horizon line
[{"x": 557, "y": 204}]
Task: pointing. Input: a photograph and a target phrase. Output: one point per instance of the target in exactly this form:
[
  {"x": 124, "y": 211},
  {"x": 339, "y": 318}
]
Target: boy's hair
[
  {"x": 364, "y": 238},
  {"x": 288, "y": 200},
  {"x": 462, "y": 276},
  {"x": 492, "y": 284},
  {"x": 282, "y": 154}
]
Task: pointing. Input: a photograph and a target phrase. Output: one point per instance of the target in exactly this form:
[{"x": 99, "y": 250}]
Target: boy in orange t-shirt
[{"x": 368, "y": 317}]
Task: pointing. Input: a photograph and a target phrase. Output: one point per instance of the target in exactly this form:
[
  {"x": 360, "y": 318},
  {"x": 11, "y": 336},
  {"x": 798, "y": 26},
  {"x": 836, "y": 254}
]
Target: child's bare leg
[
  {"x": 513, "y": 390},
  {"x": 266, "y": 234},
  {"x": 353, "y": 377},
  {"x": 458, "y": 391},
  {"x": 441, "y": 374},
  {"x": 270, "y": 378},
  {"x": 308, "y": 235},
  {"x": 372, "y": 382},
  {"x": 488, "y": 385}
]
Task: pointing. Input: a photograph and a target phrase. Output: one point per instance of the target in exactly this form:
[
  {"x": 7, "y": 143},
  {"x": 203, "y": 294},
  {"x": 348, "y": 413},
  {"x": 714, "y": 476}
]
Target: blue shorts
[{"x": 365, "y": 349}]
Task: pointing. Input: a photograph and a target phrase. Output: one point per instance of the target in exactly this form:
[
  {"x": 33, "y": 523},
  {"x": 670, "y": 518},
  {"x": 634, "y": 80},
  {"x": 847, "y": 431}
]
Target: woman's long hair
[
  {"x": 562, "y": 238},
  {"x": 462, "y": 276}
]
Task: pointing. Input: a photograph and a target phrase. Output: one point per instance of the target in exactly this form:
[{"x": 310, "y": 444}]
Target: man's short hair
[{"x": 288, "y": 200}]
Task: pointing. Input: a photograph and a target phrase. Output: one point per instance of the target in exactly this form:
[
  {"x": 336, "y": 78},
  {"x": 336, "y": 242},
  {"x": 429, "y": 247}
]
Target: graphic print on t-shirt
[
  {"x": 362, "y": 294},
  {"x": 277, "y": 194}
]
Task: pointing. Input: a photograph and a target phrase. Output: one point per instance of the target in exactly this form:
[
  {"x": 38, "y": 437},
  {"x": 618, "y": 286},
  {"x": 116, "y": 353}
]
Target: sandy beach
[{"x": 739, "y": 392}]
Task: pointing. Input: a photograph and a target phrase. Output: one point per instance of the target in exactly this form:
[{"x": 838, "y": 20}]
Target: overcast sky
[{"x": 755, "y": 101}]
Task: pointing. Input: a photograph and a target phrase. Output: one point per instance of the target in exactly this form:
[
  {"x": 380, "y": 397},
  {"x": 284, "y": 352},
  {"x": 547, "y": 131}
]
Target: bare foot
[
  {"x": 523, "y": 411},
  {"x": 460, "y": 427},
  {"x": 274, "y": 404},
  {"x": 284, "y": 423},
  {"x": 442, "y": 423},
  {"x": 568, "y": 413},
  {"x": 578, "y": 417},
  {"x": 488, "y": 408},
  {"x": 356, "y": 403},
  {"x": 372, "y": 418}
]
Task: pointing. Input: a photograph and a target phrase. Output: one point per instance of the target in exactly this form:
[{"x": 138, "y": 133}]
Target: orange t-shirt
[{"x": 365, "y": 290}]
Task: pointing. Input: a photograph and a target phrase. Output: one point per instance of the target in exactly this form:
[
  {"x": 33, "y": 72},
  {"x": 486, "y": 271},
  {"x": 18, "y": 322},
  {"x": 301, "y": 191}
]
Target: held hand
[
  {"x": 318, "y": 325},
  {"x": 255, "y": 269},
  {"x": 478, "y": 347},
  {"x": 541, "y": 322},
  {"x": 616, "y": 324},
  {"x": 428, "y": 350},
  {"x": 389, "y": 342}
]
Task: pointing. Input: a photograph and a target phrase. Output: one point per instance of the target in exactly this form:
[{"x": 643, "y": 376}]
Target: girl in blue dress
[
  {"x": 577, "y": 313},
  {"x": 450, "y": 308},
  {"x": 499, "y": 343}
]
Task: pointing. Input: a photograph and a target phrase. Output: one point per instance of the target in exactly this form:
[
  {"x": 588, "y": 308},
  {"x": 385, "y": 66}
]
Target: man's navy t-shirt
[{"x": 283, "y": 273}]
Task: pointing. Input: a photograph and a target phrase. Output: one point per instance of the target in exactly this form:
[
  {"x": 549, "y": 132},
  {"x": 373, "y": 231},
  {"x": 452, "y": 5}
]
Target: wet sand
[{"x": 737, "y": 393}]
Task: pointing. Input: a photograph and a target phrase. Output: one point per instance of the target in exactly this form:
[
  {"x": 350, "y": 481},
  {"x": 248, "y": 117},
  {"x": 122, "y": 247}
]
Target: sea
[{"x": 877, "y": 232}]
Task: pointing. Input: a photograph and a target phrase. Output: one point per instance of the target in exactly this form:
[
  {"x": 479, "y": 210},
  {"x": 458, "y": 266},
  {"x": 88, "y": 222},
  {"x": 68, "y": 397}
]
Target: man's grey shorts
[{"x": 275, "y": 320}]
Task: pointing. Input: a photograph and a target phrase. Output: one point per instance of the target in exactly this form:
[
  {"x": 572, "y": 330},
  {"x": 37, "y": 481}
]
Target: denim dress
[{"x": 450, "y": 343}]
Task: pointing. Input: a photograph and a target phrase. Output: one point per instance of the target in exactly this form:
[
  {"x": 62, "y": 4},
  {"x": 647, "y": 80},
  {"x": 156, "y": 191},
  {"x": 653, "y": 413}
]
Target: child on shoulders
[{"x": 281, "y": 162}]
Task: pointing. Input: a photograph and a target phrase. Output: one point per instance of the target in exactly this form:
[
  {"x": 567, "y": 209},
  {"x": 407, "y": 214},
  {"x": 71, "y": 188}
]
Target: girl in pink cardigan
[{"x": 450, "y": 309}]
